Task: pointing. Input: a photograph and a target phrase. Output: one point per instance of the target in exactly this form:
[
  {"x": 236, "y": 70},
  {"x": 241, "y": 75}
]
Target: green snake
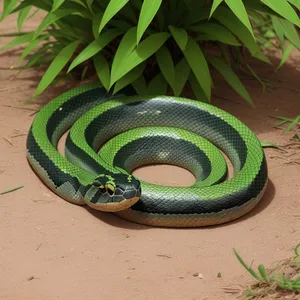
[{"x": 112, "y": 135}]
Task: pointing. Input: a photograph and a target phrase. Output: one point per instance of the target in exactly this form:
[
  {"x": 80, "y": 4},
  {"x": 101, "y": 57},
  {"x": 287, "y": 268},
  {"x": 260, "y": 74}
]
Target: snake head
[
  {"x": 113, "y": 192},
  {"x": 104, "y": 185}
]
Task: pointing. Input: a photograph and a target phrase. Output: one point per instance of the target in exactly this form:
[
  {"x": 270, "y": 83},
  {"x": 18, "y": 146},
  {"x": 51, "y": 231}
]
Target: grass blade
[
  {"x": 268, "y": 144},
  {"x": 262, "y": 272},
  {"x": 12, "y": 190},
  {"x": 249, "y": 269},
  {"x": 292, "y": 125}
]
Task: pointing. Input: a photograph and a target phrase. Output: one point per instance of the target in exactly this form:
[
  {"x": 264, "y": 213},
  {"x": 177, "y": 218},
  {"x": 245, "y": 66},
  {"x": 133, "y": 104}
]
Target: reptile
[{"x": 113, "y": 134}]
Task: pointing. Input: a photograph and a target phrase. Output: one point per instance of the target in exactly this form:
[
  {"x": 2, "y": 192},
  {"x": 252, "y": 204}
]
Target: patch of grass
[
  {"x": 292, "y": 122},
  {"x": 279, "y": 282}
]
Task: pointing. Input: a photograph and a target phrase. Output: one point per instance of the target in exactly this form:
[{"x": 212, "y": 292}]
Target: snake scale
[{"x": 111, "y": 135}]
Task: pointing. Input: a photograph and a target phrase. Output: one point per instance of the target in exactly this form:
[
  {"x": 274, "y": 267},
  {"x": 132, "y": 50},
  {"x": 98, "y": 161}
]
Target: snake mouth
[{"x": 114, "y": 206}]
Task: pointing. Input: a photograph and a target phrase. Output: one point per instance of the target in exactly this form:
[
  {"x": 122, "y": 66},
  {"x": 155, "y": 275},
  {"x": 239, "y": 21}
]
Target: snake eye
[{"x": 110, "y": 189}]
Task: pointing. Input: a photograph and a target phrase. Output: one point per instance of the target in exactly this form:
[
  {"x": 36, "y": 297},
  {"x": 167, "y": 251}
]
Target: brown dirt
[{"x": 51, "y": 249}]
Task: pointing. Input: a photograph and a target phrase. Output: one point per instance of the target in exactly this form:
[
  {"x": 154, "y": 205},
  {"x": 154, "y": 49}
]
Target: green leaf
[
  {"x": 216, "y": 32},
  {"x": 231, "y": 78},
  {"x": 38, "y": 59},
  {"x": 39, "y": 4},
  {"x": 143, "y": 51},
  {"x": 140, "y": 85},
  {"x": 278, "y": 28},
  {"x": 180, "y": 36},
  {"x": 129, "y": 77},
  {"x": 52, "y": 18},
  {"x": 198, "y": 64},
  {"x": 166, "y": 65},
  {"x": 24, "y": 38},
  {"x": 239, "y": 10},
  {"x": 182, "y": 71},
  {"x": 8, "y": 6},
  {"x": 33, "y": 44},
  {"x": 295, "y": 3},
  {"x": 215, "y": 5},
  {"x": 94, "y": 47},
  {"x": 56, "y": 66},
  {"x": 283, "y": 8},
  {"x": 229, "y": 20},
  {"x": 197, "y": 11},
  {"x": 96, "y": 23},
  {"x": 113, "y": 7},
  {"x": 291, "y": 33},
  {"x": 102, "y": 69},
  {"x": 57, "y": 4},
  {"x": 148, "y": 12},
  {"x": 197, "y": 89},
  {"x": 22, "y": 16},
  {"x": 285, "y": 55},
  {"x": 157, "y": 86},
  {"x": 126, "y": 46}
]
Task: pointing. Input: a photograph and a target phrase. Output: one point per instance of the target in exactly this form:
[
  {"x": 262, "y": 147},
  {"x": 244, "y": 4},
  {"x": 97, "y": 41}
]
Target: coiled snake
[{"x": 111, "y": 135}]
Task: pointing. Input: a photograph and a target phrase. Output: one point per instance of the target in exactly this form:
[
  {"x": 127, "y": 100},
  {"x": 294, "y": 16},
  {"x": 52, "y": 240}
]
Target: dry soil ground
[{"x": 51, "y": 249}]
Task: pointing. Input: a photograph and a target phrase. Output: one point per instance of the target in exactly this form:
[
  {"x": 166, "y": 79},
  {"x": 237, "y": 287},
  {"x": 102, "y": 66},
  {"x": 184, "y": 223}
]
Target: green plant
[
  {"x": 283, "y": 120},
  {"x": 157, "y": 46},
  {"x": 274, "y": 281}
]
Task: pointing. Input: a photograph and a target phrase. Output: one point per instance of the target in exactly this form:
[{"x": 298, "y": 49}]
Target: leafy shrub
[{"x": 155, "y": 45}]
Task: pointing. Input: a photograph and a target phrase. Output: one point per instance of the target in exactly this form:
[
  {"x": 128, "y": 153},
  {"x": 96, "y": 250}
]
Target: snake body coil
[{"x": 130, "y": 131}]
